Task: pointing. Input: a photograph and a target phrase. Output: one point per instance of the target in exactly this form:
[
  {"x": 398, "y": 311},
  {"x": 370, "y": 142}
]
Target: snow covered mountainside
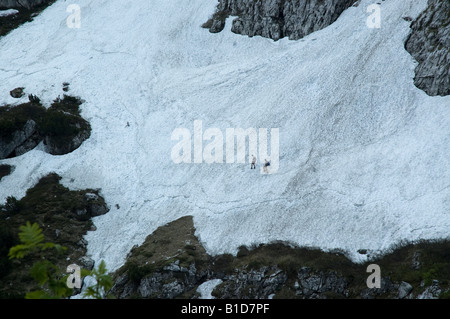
[{"x": 363, "y": 153}]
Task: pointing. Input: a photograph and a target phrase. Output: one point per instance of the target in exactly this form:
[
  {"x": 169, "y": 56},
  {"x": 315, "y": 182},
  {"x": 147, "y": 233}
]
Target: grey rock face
[
  {"x": 429, "y": 44},
  {"x": 21, "y": 141},
  {"x": 17, "y": 4},
  {"x": 17, "y": 92},
  {"x": 404, "y": 289},
  {"x": 314, "y": 285},
  {"x": 387, "y": 287},
  {"x": 167, "y": 283},
  {"x": 431, "y": 292},
  {"x": 251, "y": 284},
  {"x": 86, "y": 262},
  {"x": 276, "y": 19},
  {"x": 52, "y": 146}
]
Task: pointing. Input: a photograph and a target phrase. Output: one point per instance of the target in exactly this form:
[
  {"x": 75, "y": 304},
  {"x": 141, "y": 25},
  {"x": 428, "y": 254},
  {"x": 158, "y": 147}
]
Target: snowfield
[{"x": 364, "y": 154}]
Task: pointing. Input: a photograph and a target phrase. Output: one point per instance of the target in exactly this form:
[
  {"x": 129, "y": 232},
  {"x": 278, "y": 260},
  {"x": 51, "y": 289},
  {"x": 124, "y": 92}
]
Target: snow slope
[{"x": 364, "y": 154}]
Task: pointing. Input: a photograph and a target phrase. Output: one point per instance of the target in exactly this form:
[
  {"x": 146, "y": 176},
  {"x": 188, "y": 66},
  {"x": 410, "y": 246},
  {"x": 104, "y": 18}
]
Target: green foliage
[
  {"x": 70, "y": 104},
  {"x": 14, "y": 118},
  {"x": 49, "y": 276},
  {"x": 12, "y": 205},
  {"x": 44, "y": 272},
  {"x": 103, "y": 283},
  {"x": 31, "y": 238},
  {"x": 57, "y": 123}
]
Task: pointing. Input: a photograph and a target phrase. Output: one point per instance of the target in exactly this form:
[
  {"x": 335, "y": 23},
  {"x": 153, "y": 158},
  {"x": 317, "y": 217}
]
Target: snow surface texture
[
  {"x": 364, "y": 154},
  {"x": 8, "y": 12}
]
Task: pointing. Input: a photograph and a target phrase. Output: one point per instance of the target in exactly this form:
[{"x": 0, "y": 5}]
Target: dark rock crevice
[
  {"x": 429, "y": 44},
  {"x": 277, "y": 19}
]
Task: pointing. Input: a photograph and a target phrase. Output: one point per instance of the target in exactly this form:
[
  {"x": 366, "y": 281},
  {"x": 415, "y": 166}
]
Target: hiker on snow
[
  {"x": 266, "y": 164},
  {"x": 253, "y": 163}
]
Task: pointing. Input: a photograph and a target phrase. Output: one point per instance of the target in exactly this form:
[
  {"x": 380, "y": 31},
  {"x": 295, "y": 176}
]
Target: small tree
[
  {"x": 49, "y": 276},
  {"x": 44, "y": 272},
  {"x": 103, "y": 283}
]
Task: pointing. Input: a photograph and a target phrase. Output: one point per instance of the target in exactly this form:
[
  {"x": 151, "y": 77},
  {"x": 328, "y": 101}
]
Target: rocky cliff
[
  {"x": 172, "y": 263},
  {"x": 429, "y": 44},
  {"x": 60, "y": 127},
  {"x": 277, "y": 19},
  {"x": 17, "y": 4}
]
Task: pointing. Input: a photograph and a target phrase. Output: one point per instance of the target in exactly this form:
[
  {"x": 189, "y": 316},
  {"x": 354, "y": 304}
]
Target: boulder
[
  {"x": 404, "y": 289},
  {"x": 17, "y": 92}
]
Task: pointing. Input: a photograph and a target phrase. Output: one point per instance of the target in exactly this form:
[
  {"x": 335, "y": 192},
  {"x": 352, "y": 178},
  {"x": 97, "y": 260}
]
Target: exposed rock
[
  {"x": 415, "y": 263},
  {"x": 276, "y": 19},
  {"x": 314, "y": 285},
  {"x": 17, "y": 4},
  {"x": 21, "y": 141},
  {"x": 17, "y": 93},
  {"x": 86, "y": 262},
  {"x": 60, "y": 128},
  {"x": 431, "y": 292},
  {"x": 55, "y": 147},
  {"x": 250, "y": 284},
  {"x": 172, "y": 263},
  {"x": 404, "y": 289},
  {"x": 387, "y": 287},
  {"x": 429, "y": 44}
]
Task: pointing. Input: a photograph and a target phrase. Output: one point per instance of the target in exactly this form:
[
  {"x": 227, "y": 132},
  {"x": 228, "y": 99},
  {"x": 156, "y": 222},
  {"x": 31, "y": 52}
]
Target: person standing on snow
[
  {"x": 266, "y": 164},
  {"x": 253, "y": 163}
]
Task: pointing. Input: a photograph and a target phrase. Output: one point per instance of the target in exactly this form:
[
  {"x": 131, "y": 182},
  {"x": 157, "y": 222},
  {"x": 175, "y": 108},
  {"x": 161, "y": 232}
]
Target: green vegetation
[
  {"x": 58, "y": 125},
  {"x": 103, "y": 283},
  {"x": 13, "y": 118},
  {"x": 418, "y": 264},
  {"x": 5, "y": 170},
  {"x": 54, "y": 208},
  {"x": 53, "y": 285},
  {"x": 51, "y": 279}
]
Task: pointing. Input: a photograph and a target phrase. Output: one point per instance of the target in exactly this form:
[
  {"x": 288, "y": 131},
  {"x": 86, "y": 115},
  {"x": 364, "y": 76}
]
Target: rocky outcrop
[
  {"x": 172, "y": 263},
  {"x": 60, "y": 128},
  {"x": 17, "y": 4},
  {"x": 276, "y": 19},
  {"x": 22, "y": 140},
  {"x": 259, "y": 283},
  {"x": 429, "y": 44},
  {"x": 317, "y": 285}
]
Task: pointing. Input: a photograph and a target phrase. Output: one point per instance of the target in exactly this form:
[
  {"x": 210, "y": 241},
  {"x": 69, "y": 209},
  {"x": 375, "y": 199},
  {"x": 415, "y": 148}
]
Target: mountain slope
[{"x": 363, "y": 153}]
